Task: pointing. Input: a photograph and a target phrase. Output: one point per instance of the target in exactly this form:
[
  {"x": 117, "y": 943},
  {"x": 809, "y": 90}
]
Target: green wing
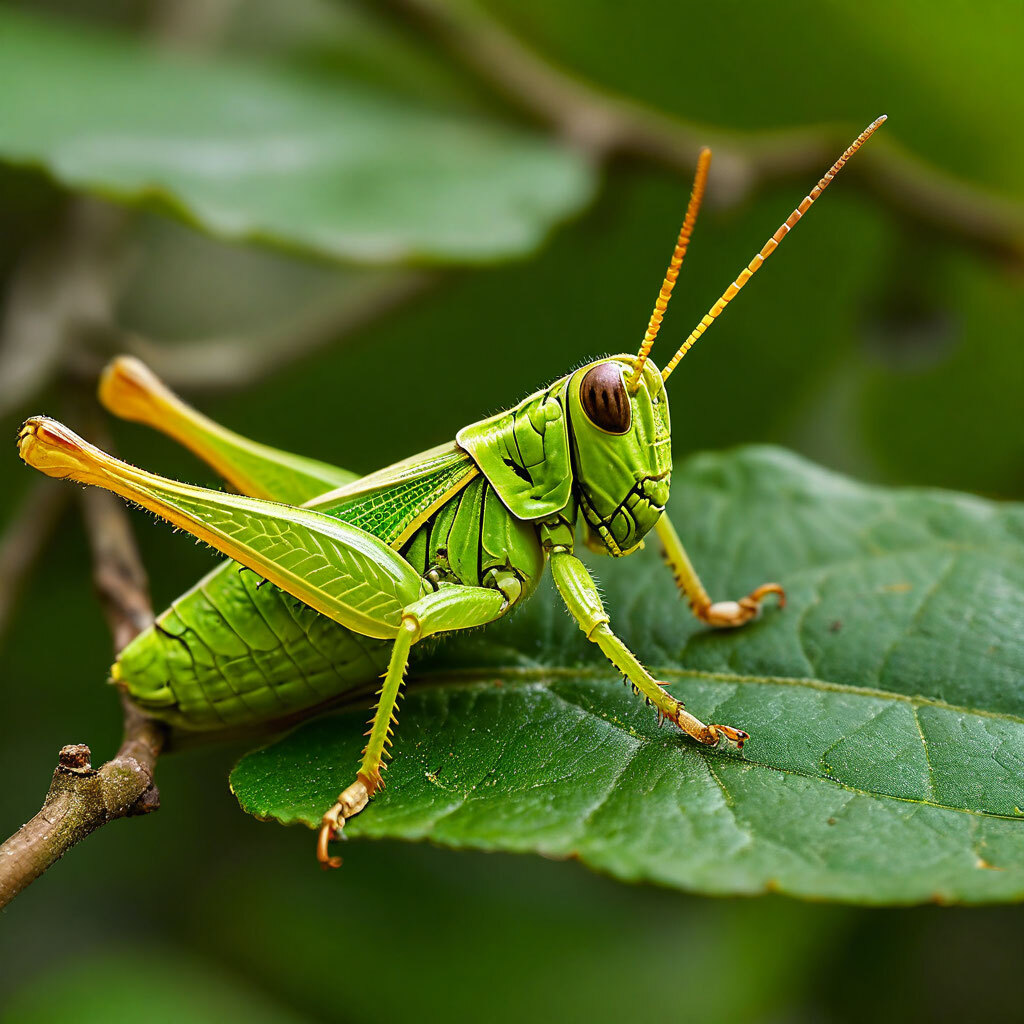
[{"x": 394, "y": 502}]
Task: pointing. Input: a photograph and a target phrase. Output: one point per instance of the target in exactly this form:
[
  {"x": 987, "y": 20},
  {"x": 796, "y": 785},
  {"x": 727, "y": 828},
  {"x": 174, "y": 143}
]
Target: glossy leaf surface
[{"x": 885, "y": 703}]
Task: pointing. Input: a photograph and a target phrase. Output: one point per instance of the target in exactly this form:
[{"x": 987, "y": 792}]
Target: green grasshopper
[{"x": 361, "y": 569}]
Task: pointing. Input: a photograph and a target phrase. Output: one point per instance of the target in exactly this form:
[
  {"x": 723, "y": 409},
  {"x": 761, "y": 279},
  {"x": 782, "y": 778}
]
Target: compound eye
[{"x": 604, "y": 399}]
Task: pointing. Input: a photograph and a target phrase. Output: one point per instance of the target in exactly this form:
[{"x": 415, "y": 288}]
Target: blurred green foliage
[
  {"x": 873, "y": 346},
  {"x": 248, "y": 151}
]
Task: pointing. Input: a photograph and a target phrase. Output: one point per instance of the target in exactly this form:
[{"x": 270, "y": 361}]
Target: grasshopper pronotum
[{"x": 362, "y": 569}]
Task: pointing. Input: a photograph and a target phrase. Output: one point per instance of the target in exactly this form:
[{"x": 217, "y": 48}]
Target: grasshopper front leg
[
  {"x": 721, "y": 614},
  {"x": 580, "y": 594}
]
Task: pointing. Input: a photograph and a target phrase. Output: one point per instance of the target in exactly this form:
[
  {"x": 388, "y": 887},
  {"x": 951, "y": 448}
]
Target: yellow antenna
[
  {"x": 769, "y": 247},
  {"x": 700, "y": 180}
]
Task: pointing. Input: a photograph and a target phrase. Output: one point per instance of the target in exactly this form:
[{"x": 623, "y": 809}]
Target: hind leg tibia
[{"x": 129, "y": 389}]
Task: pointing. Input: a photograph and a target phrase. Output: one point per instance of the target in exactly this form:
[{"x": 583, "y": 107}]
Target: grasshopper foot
[
  {"x": 734, "y": 738},
  {"x": 729, "y": 614},
  {"x": 350, "y": 802},
  {"x": 331, "y": 825},
  {"x": 709, "y": 735}
]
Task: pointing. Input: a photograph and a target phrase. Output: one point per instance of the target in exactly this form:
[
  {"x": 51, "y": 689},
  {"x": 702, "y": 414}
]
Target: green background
[{"x": 872, "y": 344}]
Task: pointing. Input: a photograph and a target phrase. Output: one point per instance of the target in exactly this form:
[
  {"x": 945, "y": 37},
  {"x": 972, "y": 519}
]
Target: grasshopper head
[
  {"x": 618, "y": 408},
  {"x": 621, "y": 449}
]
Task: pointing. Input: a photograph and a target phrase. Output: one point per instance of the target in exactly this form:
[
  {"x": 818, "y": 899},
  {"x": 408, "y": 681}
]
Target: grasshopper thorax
[{"x": 621, "y": 450}]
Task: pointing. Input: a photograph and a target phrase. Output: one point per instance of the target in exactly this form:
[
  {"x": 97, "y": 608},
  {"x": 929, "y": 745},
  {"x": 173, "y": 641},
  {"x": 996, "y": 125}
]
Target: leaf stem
[{"x": 607, "y": 125}]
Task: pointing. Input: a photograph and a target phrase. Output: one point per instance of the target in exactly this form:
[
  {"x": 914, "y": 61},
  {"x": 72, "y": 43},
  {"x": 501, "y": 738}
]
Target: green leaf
[
  {"x": 250, "y": 150},
  {"x": 886, "y": 763}
]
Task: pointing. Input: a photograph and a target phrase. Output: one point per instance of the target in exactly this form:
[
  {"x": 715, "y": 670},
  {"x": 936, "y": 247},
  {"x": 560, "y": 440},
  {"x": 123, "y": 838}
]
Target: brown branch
[
  {"x": 81, "y": 799},
  {"x": 227, "y": 362},
  {"x": 60, "y": 303},
  {"x": 61, "y": 289},
  {"x": 605, "y": 124}
]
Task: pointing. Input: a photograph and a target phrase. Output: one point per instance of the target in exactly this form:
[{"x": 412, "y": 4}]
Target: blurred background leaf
[
  {"x": 119, "y": 986},
  {"x": 256, "y": 152},
  {"x": 874, "y": 342}
]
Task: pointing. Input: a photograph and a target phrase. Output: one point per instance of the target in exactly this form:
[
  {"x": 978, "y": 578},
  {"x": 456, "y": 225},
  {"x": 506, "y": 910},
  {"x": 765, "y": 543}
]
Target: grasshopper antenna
[
  {"x": 700, "y": 180},
  {"x": 769, "y": 247}
]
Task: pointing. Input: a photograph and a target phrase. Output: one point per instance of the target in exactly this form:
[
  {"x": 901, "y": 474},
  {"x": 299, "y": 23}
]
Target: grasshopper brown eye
[{"x": 604, "y": 399}]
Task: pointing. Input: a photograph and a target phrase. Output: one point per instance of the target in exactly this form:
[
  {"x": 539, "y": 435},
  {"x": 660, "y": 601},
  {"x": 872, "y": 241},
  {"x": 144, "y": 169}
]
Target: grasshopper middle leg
[{"x": 450, "y": 608}]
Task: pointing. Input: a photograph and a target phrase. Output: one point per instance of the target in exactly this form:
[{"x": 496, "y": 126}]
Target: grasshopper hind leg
[
  {"x": 350, "y": 575},
  {"x": 131, "y": 391}
]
